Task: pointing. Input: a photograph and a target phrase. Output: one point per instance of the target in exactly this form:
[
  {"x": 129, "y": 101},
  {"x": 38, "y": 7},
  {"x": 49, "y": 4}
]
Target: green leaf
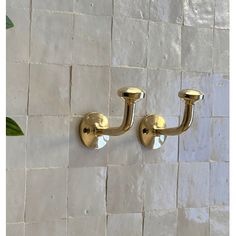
[
  {"x": 9, "y": 23},
  {"x": 12, "y": 128}
]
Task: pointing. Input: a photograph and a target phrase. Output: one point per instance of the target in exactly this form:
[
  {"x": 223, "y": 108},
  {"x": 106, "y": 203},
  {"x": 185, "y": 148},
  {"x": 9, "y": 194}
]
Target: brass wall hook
[
  {"x": 152, "y": 129},
  {"x": 94, "y": 128}
]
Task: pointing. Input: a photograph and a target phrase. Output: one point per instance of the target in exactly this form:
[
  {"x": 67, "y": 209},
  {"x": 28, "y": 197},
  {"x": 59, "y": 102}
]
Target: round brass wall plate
[
  {"x": 146, "y": 131},
  {"x": 88, "y": 127}
]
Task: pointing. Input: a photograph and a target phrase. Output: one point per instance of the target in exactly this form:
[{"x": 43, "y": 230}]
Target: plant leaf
[
  {"x": 9, "y": 23},
  {"x": 12, "y": 128}
]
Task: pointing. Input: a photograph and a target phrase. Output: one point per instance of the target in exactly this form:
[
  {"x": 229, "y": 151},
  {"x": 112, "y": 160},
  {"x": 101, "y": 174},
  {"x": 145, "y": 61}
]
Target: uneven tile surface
[
  {"x": 195, "y": 144},
  {"x": 219, "y": 221},
  {"x": 221, "y": 51},
  {"x": 17, "y": 79},
  {"x": 125, "y": 188},
  {"x": 163, "y": 87},
  {"x": 167, "y": 45},
  {"x": 124, "y": 225},
  {"x": 160, "y": 181},
  {"x": 199, "y": 13},
  {"x": 87, "y": 226},
  {"x": 46, "y": 228},
  {"x": 129, "y": 45},
  {"x": 219, "y": 183},
  {"x": 132, "y": 8},
  {"x": 193, "y": 185},
  {"x": 47, "y": 148},
  {"x": 17, "y": 229},
  {"x": 92, "y": 40},
  {"x": 66, "y": 58},
  {"x": 45, "y": 194},
  {"x": 91, "y": 83},
  {"x": 193, "y": 221},
  {"x": 15, "y": 195},
  {"x": 197, "y": 44},
  {"x": 93, "y": 7},
  {"x": 84, "y": 199},
  {"x": 163, "y": 220},
  {"x": 51, "y": 37},
  {"x": 49, "y": 90},
  {"x": 167, "y": 10},
  {"x": 220, "y": 96}
]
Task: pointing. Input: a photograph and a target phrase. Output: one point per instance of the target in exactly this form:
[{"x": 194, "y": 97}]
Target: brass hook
[
  {"x": 94, "y": 128},
  {"x": 152, "y": 129}
]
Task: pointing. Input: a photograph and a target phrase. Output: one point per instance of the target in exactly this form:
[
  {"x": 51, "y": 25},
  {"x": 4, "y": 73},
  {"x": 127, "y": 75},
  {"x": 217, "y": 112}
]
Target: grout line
[
  {"x": 143, "y": 217},
  {"x": 106, "y": 191},
  {"x": 29, "y": 59},
  {"x": 177, "y": 184},
  {"x": 70, "y": 86},
  {"x": 122, "y": 66}
]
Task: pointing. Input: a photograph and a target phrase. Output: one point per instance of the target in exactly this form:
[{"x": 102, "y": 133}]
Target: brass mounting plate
[
  {"x": 88, "y": 127},
  {"x": 146, "y": 131}
]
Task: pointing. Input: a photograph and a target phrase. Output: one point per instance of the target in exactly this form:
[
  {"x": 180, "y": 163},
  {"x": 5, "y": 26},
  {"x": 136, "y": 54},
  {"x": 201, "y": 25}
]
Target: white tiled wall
[{"x": 68, "y": 57}]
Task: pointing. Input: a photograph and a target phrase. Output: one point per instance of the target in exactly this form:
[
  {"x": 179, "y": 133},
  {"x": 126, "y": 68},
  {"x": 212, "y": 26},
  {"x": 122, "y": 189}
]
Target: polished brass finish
[
  {"x": 94, "y": 128},
  {"x": 153, "y": 131}
]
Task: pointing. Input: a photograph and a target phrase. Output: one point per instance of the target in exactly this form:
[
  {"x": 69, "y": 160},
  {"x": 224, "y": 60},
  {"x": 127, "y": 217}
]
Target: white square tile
[
  {"x": 219, "y": 183},
  {"x": 131, "y": 149},
  {"x": 220, "y": 95},
  {"x": 126, "y": 77},
  {"x": 132, "y": 8},
  {"x": 169, "y": 151},
  {"x": 87, "y": 226},
  {"x": 160, "y": 223},
  {"x": 219, "y": 221},
  {"x": 221, "y": 51},
  {"x": 17, "y": 229},
  {"x": 222, "y": 14},
  {"x": 129, "y": 42},
  {"x": 86, "y": 191},
  {"x": 202, "y": 82},
  {"x": 92, "y": 40},
  {"x": 220, "y": 139},
  {"x": 125, "y": 189},
  {"x": 48, "y": 141},
  {"x": 16, "y": 146},
  {"x": 45, "y": 194},
  {"x": 199, "y": 13},
  {"x": 193, "y": 221},
  {"x": 56, "y": 5},
  {"x": 91, "y": 84},
  {"x": 160, "y": 181},
  {"x": 17, "y": 80},
  {"x": 17, "y": 38},
  {"x": 167, "y": 10},
  {"x": 93, "y": 7},
  {"x": 162, "y": 92},
  {"x": 49, "y": 90},
  {"x": 164, "y": 46},
  {"x": 197, "y": 44},
  {"x": 193, "y": 185},
  {"x": 124, "y": 225},
  {"x": 18, "y": 4},
  {"x": 15, "y": 195},
  {"x": 81, "y": 156},
  {"x": 196, "y": 143},
  {"x": 51, "y": 37},
  {"x": 52, "y": 228}
]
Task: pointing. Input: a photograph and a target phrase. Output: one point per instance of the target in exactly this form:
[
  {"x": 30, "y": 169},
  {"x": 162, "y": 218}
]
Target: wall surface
[{"x": 66, "y": 58}]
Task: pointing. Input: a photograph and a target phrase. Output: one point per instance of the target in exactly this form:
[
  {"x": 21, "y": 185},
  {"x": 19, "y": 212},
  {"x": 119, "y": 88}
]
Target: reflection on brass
[
  {"x": 94, "y": 128},
  {"x": 153, "y": 131}
]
